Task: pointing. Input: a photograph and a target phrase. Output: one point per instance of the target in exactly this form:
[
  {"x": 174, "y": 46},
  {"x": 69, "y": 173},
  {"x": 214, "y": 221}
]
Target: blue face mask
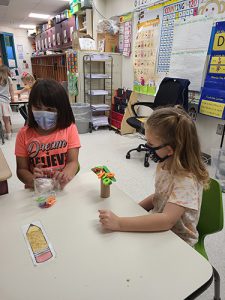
[{"x": 45, "y": 119}]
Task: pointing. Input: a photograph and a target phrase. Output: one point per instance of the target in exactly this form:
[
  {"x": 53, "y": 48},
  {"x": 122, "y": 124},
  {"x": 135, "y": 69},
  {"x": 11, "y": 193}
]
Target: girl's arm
[
  {"x": 70, "y": 169},
  {"x": 147, "y": 203},
  {"x": 152, "y": 222},
  {"x": 11, "y": 92},
  {"x": 19, "y": 92},
  {"x": 23, "y": 172}
]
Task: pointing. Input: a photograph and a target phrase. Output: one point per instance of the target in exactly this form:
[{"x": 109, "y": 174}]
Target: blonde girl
[
  {"x": 6, "y": 95},
  {"x": 28, "y": 81},
  {"x": 180, "y": 178}
]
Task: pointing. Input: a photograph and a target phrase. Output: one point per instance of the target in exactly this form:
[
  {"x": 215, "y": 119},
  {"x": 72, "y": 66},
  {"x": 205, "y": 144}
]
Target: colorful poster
[
  {"x": 145, "y": 57},
  {"x": 125, "y": 34},
  {"x": 211, "y": 8},
  {"x": 72, "y": 74},
  {"x": 127, "y": 38},
  {"x": 121, "y": 37},
  {"x": 212, "y": 100},
  {"x": 172, "y": 12}
]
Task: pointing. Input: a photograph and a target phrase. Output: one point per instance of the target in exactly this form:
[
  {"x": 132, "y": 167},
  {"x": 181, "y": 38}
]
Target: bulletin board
[
  {"x": 183, "y": 33},
  {"x": 212, "y": 101}
]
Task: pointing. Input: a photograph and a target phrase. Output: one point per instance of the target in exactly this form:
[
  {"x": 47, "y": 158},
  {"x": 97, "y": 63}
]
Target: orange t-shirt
[{"x": 48, "y": 149}]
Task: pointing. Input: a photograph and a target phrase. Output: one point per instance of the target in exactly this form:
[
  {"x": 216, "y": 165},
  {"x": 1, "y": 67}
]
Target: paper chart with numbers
[{"x": 175, "y": 11}]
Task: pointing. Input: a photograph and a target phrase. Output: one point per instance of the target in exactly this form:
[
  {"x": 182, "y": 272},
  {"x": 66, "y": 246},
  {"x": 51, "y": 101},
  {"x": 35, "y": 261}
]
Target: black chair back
[{"x": 172, "y": 91}]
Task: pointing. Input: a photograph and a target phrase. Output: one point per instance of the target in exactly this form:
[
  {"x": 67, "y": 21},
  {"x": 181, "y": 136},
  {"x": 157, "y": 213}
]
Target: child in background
[
  {"x": 49, "y": 144},
  {"x": 6, "y": 95},
  {"x": 28, "y": 81},
  {"x": 180, "y": 178}
]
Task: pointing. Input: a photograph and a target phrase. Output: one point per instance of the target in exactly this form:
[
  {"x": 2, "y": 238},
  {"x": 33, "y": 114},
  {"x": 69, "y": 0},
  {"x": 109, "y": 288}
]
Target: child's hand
[
  {"x": 38, "y": 171},
  {"x": 109, "y": 220},
  {"x": 62, "y": 178}
]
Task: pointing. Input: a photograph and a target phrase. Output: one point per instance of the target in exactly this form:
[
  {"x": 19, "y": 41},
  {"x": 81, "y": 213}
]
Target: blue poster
[{"x": 212, "y": 100}]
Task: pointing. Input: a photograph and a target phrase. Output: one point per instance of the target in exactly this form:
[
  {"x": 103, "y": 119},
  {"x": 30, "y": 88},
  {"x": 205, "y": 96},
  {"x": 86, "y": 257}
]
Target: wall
[
  {"x": 101, "y": 7},
  {"x": 206, "y": 126},
  {"x": 117, "y": 8},
  {"x": 20, "y": 38}
]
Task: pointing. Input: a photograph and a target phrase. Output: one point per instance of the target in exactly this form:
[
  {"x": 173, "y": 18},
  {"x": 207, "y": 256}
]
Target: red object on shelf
[
  {"x": 115, "y": 123},
  {"x": 115, "y": 118}
]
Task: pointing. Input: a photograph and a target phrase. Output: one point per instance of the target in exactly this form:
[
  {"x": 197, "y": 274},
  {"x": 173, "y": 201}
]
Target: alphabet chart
[{"x": 145, "y": 53}]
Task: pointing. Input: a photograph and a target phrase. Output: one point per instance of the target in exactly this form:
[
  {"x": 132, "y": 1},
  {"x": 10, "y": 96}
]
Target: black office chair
[
  {"x": 172, "y": 91},
  {"x": 24, "y": 113}
]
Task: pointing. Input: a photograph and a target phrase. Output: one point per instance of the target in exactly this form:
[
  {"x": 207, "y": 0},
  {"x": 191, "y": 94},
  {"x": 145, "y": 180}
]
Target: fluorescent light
[
  {"x": 27, "y": 26},
  {"x": 39, "y": 16}
]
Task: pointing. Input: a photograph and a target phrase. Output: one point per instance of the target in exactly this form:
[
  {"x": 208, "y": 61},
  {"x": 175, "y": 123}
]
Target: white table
[{"x": 92, "y": 264}]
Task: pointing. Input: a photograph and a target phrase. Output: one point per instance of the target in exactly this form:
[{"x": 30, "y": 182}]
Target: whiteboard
[{"x": 189, "y": 49}]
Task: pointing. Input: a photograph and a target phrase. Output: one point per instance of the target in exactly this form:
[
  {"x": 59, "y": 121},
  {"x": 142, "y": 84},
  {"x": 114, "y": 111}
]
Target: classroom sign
[
  {"x": 145, "y": 57},
  {"x": 212, "y": 100}
]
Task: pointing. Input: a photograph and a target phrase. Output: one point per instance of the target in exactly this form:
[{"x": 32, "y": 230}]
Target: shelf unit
[
  {"x": 61, "y": 34},
  {"x": 98, "y": 86},
  {"x": 50, "y": 66}
]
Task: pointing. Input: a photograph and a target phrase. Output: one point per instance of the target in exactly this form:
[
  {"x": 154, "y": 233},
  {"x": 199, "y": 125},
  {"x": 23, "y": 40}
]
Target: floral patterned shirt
[{"x": 184, "y": 191}]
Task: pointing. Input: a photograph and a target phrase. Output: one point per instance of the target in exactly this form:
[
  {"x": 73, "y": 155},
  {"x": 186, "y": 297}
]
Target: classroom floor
[{"x": 108, "y": 148}]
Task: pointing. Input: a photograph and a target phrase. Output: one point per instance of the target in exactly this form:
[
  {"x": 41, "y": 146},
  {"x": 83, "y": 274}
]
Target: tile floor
[{"x": 107, "y": 147}]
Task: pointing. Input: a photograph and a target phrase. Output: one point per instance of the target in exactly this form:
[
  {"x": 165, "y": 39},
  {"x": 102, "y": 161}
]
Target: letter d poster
[{"x": 212, "y": 100}]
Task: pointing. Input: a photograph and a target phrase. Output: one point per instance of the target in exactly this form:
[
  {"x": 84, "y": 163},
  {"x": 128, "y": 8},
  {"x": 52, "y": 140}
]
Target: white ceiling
[{"x": 18, "y": 10}]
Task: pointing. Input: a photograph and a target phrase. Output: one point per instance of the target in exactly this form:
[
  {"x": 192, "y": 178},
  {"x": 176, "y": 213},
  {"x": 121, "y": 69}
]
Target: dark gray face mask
[{"x": 154, "y": 156}]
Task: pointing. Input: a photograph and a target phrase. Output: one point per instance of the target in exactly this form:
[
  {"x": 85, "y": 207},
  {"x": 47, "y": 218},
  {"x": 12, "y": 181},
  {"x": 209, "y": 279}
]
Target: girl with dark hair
[{"x": 49, "y": 144}]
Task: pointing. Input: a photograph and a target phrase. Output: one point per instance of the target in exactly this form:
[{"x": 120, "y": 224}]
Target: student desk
[
  {"x": 19, "y": 102},
  {"x": 5, "y": 173},
  {"x": 92, "y": 263}
]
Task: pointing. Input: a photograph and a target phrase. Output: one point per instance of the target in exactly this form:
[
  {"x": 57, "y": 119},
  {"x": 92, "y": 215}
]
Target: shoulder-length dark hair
[{"x": 51, "y": 94}]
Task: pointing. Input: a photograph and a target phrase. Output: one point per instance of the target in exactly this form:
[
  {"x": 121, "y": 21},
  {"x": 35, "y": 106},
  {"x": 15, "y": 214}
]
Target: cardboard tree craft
[{"x": 107, "y": 179}]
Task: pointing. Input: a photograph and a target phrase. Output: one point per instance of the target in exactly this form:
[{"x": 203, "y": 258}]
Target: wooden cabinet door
[
  {"x": 65, "y": 36},
  {"x": 53, "y": 37},
  {"x": 43, "y": 41},
  {"x": 50, "y": 32},
  {"x": 71, "y": 27},
  {"x": 58, "y": 35},
  {"x": 38, "y": 42}
]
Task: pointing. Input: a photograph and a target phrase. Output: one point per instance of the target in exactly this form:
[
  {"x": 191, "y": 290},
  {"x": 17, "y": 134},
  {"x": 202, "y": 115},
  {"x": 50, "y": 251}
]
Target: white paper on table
[{"x": 40, "y": 248}]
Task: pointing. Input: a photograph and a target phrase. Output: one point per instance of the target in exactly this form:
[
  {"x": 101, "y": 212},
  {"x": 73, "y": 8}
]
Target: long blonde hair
[
  {"x": 4, "y": 75},
  {"x": 28, "y": 79},
  {"x": 174, "y": 127}
]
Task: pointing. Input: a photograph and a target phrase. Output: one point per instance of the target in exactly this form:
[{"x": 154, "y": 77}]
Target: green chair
[{"x": 210, "y": 221}]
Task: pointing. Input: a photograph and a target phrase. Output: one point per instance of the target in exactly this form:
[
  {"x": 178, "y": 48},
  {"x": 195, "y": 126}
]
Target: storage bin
[{"x": 82, "y": 115}]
